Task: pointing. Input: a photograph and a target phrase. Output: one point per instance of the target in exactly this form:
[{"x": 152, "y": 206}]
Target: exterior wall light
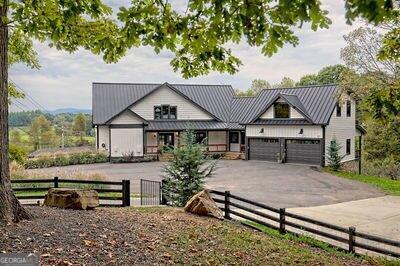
[
  {"x": 262, "y": 130},
  {"x": 301, "y": 131}
]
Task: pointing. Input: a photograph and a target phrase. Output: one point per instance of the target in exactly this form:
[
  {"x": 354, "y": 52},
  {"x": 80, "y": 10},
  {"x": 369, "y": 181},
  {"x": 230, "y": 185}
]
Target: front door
[{"x": 167, "y": 139}]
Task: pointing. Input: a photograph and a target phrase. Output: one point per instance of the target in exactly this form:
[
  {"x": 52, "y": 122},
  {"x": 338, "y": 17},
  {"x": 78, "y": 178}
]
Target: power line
[{"x": 30, "y": 98}]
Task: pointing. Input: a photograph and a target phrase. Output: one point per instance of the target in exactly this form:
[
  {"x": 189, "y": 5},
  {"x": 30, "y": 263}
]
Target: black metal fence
[
  {"x": 111, "y": 193},
  {"x": 256, "y": 214},
  {"x": 150, "y": 192}
]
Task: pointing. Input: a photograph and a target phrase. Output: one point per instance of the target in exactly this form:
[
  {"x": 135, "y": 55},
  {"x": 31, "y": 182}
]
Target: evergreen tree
[
  {"x": 334, "y": 157},
  {"x": 184, "y": 175}
]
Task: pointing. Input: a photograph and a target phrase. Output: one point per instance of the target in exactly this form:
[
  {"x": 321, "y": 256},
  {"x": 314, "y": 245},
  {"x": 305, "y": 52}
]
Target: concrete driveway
[{"x": 279, "y": 185}]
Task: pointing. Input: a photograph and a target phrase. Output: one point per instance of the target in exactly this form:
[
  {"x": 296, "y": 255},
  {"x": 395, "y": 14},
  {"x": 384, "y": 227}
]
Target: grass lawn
[
  {"x": 391, "y": 187},
  {"x": 159, "y": 236}
]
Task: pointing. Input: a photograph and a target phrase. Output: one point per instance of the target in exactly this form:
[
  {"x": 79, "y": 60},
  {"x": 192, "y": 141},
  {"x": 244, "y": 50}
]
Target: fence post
[
  {"x": 163, "y": 198},
  {"x": 352, "y": 239},
  {"x": 56, "y": 181},
  {"x": 126, "y": 193},
  {"x": 227, "y": 205},
  {"x": 282, "y": 220}
]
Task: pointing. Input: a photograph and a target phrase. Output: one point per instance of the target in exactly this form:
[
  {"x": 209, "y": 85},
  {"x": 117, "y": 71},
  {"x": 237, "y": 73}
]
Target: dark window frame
[
  {"x": 348, "y": 146},
  {"x": 160, "y": 117},
  {"x": 234, "y": 133},
  {"x": 348, "y": 108},
  {"x": 338, "y": 110},
  {"x": 282, "y": 104},
  {"x": 169, "y": 112},
  {"x": 198, "y": 139}
]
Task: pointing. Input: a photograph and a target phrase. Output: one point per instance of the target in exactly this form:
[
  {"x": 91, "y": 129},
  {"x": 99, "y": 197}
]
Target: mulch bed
[{"x": 136, "y": 236}]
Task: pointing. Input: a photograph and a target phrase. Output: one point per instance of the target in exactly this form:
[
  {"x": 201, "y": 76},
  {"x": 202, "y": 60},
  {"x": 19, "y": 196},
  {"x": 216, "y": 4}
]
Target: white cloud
[{"x": 65, "y": 79}]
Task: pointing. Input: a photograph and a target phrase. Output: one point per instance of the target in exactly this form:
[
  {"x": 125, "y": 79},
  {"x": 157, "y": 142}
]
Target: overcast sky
[{"x": 64, "y": 79}]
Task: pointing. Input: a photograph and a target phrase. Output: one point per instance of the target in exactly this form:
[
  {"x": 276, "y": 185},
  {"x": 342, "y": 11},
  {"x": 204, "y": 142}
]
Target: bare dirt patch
[{"x": 154, "y": 236}]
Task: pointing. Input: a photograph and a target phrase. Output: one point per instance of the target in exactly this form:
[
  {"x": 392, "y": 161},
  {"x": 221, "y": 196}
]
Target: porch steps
[
  {"x": 166, "y": 157},
  {"x": 232, "y": 156}
]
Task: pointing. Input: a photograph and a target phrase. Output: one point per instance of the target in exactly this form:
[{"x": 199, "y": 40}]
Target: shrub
[
  {"x": 184, "y": 175},
  {"x": 334, "y": 158},
  {"x": 66, "y": 159},
  {"x": 17, "y": 154},
  {"x": 61, "y": 160}
]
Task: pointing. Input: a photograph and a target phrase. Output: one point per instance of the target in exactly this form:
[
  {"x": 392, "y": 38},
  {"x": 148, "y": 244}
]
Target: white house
[{"x": 295, "y": 123}]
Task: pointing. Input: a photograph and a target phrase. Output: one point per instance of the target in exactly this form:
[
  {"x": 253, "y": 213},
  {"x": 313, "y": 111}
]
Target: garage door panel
[
  {"x": 303, "y": 151},
  {"x": 263, "y": 149}
]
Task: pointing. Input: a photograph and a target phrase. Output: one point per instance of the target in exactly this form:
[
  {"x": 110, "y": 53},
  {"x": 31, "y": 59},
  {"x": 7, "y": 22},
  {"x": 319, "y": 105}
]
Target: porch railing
[{"x": 216, "y": 147}]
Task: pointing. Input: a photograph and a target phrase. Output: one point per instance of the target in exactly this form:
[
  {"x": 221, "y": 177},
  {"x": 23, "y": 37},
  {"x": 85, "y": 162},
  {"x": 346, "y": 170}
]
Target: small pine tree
[
  {"x": 184, "y": 176},
  {"x": 334, "y": 157}
]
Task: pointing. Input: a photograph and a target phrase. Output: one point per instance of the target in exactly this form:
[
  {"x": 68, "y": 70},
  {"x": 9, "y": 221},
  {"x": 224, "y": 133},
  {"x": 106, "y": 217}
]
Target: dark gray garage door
[
  {"x": 303, "y": 151},
  {"x": 263, "y": 149}
]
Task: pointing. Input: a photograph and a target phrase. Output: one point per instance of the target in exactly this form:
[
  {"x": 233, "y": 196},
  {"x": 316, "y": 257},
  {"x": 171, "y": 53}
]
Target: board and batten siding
[
  {"x": 309, "y": 132},
  {"x": 103, "y": 138},
  {"x": 186, "y": 110},
  {"x": 126, "y": 141},
  {"x": 342, "y": 128}
]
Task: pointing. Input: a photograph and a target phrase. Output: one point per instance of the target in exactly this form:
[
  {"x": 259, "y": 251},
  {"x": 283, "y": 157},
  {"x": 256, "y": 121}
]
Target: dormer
[{"x": 285, "y": 106}]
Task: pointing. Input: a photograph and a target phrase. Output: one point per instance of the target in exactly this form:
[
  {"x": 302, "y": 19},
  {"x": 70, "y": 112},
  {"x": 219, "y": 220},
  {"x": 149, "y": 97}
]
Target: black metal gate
[{"x": 150, "y": 192}]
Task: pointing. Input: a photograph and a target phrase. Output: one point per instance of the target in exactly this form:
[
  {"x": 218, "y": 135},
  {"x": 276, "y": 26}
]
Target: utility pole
[{"x": 62, "y": 135}]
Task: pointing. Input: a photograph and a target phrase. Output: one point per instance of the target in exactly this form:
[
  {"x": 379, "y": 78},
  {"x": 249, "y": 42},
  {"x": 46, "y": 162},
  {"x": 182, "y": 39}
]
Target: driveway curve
[{"x": 278, "y": 185}]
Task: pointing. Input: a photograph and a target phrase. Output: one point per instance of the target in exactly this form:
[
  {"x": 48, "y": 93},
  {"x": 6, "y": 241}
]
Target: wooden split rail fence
[
  {"x": 257, "y": 214},
  {"x": 111, "y": 193}
]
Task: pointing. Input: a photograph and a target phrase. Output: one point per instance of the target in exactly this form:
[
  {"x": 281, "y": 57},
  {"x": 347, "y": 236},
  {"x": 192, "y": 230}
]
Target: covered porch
[{"x": 219, "y": 137}]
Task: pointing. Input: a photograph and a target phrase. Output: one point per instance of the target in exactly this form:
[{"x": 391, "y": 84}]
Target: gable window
[
  {"x": 338, "y": 110},
  {"x": 281, "y": 110},
  {"x": 165, "y": 112},
  {"x": 348, "y": 146},
  {"x": 157, "y": 112},
  {"x": 348, "y": 107}
]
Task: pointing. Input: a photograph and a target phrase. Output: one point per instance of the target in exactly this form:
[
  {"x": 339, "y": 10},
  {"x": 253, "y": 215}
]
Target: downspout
[
  {"x": 109, "y": 144},
  {"x": 323, "y": 147}
]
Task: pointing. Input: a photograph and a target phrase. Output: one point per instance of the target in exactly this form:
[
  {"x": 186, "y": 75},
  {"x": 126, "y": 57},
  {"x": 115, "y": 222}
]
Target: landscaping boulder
[
  {"x": 68, "y": 198},
  {"x": 203, "y": 204}
]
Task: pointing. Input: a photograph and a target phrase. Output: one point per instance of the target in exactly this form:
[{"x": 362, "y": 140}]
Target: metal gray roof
[
  {"x": 183, "y": 125},
  {"x": 109, "y": 99},
  {"x": 281, "y": 122},
  {"x": 318, "y": 102}
]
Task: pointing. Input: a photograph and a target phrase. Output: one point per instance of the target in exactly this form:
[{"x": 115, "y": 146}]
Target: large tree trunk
[{"x": 10, "y": 208}]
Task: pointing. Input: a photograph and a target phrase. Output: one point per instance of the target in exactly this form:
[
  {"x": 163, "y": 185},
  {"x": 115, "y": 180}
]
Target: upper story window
[
  {"x": 165, "y": 112},
  {"x": 281, "y": 110},
  {"x": 338, "y": 110},
  {"x": 348, "y": 108}
]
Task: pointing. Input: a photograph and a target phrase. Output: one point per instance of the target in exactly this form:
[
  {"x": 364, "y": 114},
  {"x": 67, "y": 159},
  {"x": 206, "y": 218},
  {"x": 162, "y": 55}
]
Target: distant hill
[{"x": 70, "y": 111}]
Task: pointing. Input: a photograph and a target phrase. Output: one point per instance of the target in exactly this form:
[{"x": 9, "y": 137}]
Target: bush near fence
[{"x": 66, "y": 159}]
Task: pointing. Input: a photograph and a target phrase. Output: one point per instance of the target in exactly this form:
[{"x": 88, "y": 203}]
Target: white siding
[
  {"x": 103, "y": 138},
  {"x": 186, "y": 109},
  {"x": 342, "y": 128},
  {"x": 295, "y": 114},
  {"x": 284, "y": 131},
  {"x": 269, "y": 114},
  {"x": 126, "y": 118},
  {"x": 216, "y": 137},
  {"x": 126, "y": 140}
]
